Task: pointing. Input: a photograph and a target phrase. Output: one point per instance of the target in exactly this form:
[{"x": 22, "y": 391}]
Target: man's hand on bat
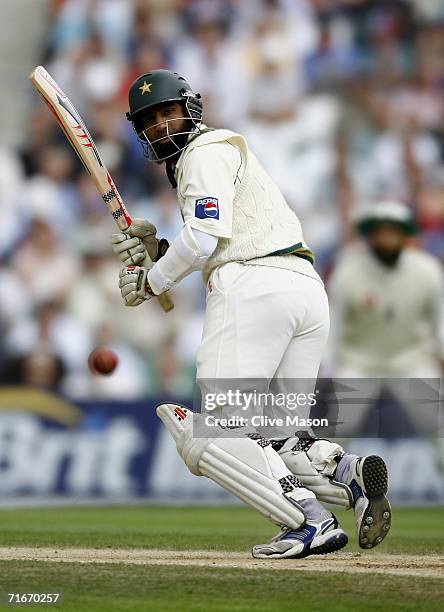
[
  {"x": 134, "y": 286},
  {"x": 140, "y": 238}
]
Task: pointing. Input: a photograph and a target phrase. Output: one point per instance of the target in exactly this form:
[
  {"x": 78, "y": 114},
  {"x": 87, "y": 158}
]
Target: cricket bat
[{"x": 82, "y": 143}]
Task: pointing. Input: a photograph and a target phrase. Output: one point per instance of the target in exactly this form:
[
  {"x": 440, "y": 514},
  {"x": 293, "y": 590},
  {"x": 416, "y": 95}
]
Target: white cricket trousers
[{"x": 263, "y": 323}]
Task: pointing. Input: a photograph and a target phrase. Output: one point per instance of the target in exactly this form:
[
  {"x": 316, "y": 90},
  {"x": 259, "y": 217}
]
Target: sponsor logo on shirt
[{"x": 207, "y": 207}]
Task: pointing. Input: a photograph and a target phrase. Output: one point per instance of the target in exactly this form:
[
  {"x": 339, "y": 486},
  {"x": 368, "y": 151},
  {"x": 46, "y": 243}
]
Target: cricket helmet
[
  {"x": 392, "y": 212},
  {"x": 160, "y": 87}
]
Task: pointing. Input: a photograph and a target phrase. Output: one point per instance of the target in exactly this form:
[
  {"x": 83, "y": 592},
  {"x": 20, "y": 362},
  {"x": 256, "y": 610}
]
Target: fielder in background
[
  {"x": 266, "y": 318},
  {"x": 387, "y": 301},
  {"x": 387, "y": 313}
]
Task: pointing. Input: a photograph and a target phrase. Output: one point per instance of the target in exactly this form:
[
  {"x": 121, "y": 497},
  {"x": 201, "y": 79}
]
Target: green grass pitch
[{"x": 416, "y": 534}]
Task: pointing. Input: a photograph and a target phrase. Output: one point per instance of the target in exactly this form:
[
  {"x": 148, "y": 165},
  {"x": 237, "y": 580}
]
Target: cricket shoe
[
  {"x": 310, "y": 539},
  {"x": 368, "y": 482}
]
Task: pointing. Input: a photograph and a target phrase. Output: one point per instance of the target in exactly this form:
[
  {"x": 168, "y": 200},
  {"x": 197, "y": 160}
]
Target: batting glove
[
  {"x": 133, "y": 284},
  {"x": 132, "y": 246}
]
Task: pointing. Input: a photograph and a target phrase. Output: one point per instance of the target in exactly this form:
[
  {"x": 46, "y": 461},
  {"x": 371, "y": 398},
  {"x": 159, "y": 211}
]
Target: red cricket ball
[{"x": 102, "y": 361}]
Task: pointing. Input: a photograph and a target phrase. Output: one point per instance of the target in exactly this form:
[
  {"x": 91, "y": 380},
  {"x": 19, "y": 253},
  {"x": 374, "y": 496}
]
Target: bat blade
[{"x": 81, "y": 141}]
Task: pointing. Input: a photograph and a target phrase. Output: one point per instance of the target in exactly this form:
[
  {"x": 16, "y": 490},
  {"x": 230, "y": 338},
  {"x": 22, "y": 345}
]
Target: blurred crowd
[{"x": 342, "y": 100}]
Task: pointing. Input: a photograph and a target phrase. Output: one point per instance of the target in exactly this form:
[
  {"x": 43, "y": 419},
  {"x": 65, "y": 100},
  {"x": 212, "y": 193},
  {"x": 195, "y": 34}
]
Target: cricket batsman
[{"x": 267, "y": 318}]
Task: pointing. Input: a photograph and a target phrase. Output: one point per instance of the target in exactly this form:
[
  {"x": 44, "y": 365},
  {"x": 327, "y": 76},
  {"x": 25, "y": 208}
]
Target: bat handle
[{"x": 164, "y": 299}]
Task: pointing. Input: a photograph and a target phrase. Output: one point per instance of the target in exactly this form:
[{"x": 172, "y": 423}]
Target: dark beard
[
  {"x": 388, "y": 258},
  {"x": 167, "y": 149}
]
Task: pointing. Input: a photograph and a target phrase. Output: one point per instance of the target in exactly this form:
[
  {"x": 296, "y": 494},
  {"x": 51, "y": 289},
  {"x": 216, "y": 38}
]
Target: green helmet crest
[{"x": 157, "y": 87}]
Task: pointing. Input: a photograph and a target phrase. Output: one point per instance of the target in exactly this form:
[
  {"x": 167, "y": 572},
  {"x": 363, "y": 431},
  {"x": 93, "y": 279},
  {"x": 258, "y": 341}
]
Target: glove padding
[
  {"x": 133, "y": 284},
  {"x": 131, "y": 247}
]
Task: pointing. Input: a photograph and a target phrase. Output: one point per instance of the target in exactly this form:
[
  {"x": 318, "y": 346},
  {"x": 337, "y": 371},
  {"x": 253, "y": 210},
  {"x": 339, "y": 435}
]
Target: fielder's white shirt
[{"x": 386, "y": 321}]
